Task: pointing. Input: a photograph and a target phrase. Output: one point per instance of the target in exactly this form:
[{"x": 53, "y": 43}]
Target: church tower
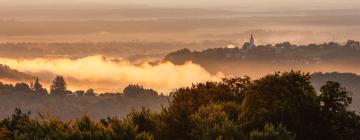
[{"x": 252, "y": 42}]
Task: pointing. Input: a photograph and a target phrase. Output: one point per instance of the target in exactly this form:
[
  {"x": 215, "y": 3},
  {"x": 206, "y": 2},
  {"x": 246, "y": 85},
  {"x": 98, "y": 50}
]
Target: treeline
[
  {"x": 280, "y": 106},
  {"x": 59, "y": 88}
]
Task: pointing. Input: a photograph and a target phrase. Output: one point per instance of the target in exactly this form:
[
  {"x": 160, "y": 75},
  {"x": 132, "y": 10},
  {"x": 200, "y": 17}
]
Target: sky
[{"x": 223, "y": 4}]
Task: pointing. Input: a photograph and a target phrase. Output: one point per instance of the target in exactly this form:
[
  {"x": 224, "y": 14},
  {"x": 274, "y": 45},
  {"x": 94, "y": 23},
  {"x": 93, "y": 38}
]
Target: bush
[
  {"x": 211, "y": 122},
  {"x": 271, "y": 132}
]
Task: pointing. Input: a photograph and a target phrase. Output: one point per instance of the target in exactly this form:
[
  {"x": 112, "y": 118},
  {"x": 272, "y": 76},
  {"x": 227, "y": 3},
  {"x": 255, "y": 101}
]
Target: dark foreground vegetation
[{"x": 281, "y": 106}]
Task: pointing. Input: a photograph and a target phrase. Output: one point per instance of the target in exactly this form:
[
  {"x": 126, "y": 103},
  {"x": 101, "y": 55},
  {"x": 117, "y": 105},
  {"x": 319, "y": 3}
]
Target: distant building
[{"x": 250, "y": 44}]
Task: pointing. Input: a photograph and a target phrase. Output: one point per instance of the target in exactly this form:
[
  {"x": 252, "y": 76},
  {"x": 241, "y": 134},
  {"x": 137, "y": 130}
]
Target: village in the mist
[{"x": 179, "y": 69}]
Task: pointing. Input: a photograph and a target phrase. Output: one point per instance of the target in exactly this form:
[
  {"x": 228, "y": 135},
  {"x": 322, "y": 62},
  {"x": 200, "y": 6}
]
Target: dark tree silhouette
[
  {"x": 335, "y": 102},
  {"x": 90, "y": 92},
  {"x": 23, "y": 88},
  {"x": 334, "y": 97},
  {"x": 79, "y": 93},
  {"x": 284, "y": 98},
  {"x": 58, "y": 86},
  {"x": 138, "y": 90}
]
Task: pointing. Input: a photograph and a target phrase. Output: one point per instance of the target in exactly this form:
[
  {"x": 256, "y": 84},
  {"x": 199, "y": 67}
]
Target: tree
[
  {"x": 177, "y": 116},
  {"x": 138, "y": 91},
  {"x": 334, "y": 98},
  {"x": 38, "y": 88},
  {"x": 284, "y": 98},
  {"x": 237, "y": 86},
  {"x": 212, "y": 122},
  {"x": 335, "y": 101},
  {"x": 18, "y": 125},
  {"x": 23, "y": 88},
  {"x": 80, "y": 93},
  {"x": 144, "y": 120},
  {"x": 58, "y": 86},
  {"x": 90, "y": 92}
]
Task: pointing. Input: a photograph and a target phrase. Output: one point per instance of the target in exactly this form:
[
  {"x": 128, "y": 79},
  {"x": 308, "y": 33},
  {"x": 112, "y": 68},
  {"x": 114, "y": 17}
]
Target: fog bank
[{"x": 105, "y": 74}]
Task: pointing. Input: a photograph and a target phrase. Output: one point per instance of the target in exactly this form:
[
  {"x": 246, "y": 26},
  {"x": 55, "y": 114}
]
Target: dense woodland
[{"x": 281, "y": 106}]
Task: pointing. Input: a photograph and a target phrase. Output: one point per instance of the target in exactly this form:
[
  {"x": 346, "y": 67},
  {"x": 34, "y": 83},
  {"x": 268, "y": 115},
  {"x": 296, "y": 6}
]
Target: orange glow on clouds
[{"x": 103, "y": 74}]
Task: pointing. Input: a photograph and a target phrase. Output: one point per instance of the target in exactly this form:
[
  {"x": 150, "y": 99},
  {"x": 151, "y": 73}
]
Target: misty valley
[
  {"x": 179, "y": 70},
  {"x": 210, "y": 76}
]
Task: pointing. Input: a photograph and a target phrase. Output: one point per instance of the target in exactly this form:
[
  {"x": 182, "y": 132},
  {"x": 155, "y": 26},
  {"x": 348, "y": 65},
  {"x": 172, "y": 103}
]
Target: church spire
[{"x": 252, "y": 42}]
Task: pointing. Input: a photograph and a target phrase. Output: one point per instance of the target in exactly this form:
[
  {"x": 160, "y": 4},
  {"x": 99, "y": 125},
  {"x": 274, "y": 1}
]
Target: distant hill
[
  {"x": 264, "y": 59},
  {"x": 11, "y": 74},
  {"x": 279, "y": 53}
]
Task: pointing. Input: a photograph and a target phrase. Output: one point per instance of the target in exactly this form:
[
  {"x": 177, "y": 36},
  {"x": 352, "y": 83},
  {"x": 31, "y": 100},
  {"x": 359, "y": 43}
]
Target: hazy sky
[{"x": 251, "y": 4}]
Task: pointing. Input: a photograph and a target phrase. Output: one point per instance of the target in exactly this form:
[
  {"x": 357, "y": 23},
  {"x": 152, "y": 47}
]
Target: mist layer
[{"x": 104, "y": 74}]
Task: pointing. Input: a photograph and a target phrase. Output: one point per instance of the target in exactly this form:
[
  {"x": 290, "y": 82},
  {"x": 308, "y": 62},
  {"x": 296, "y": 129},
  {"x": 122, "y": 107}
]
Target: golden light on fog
[{"x": 103, "y": 74}]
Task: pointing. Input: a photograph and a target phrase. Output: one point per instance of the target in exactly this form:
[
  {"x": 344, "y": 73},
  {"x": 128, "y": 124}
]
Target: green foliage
[
  {"x": 212, "y": 122},
  {"x": 144, "y": 136},
  {"x": 270, "y": 132},
  {"x": 177, "y": 116},
  {"x": 117, "y": 129},
  {"x": 5, "y": 134},
  {"x": 145, "y": 121},
  {"x": 284, "y": 98},
  {"x": 21, "y": 127},
  {"x": 334, "y": 98},
  {"x": 335, "y": 101}
]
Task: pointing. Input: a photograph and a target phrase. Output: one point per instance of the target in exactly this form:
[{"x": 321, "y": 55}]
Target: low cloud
[{"x": 105, "y": 74}]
